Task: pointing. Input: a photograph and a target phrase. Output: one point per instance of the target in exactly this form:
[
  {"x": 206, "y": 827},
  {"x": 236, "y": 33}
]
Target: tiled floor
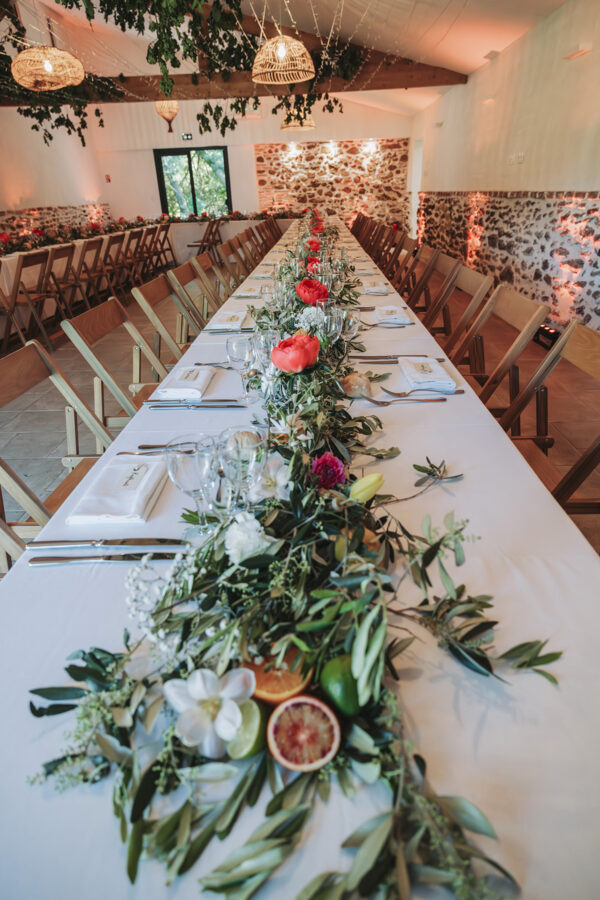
[{"x": 32, "y": 428}]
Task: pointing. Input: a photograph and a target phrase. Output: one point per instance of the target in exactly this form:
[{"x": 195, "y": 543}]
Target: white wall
[
  {"x": 63, "y": 174},
  {"x": 539, "y": 105}
]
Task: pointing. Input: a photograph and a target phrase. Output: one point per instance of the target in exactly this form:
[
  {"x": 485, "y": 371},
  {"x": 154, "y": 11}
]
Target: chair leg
[
  {"x": 513, "y": 391},
  {"x": 541, "y": 414}
]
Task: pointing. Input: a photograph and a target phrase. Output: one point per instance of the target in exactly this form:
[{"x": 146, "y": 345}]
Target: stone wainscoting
[
  {"x": 20, "y": 221},
  {"x": 343, "y": 176},
  {"x": 545, "y": 243}
]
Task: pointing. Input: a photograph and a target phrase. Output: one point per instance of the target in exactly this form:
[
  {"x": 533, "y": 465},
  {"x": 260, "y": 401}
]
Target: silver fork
[
  {"x": 214, "y": 365},
  {"x": 405, "y": 400},
  {"x": 415, "y": 390}
]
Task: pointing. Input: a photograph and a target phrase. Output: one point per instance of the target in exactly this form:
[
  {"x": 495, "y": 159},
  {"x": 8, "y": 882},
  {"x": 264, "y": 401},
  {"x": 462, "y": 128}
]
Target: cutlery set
[{"x": 120, "y": 550}]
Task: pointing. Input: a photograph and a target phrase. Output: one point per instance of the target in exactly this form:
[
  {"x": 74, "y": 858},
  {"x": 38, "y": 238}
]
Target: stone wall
[
  {"x": 545, "y": 243},
  {"x": 344, "y": 176},
  {"x": 53, "y": 217}
]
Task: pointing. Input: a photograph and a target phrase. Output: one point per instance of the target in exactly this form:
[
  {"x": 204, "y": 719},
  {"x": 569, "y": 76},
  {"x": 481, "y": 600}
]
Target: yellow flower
[{"x": 365, "y": 488}]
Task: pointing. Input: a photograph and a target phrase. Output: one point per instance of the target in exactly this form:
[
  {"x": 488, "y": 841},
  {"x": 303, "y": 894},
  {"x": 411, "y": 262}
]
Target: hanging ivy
[{"x": 207, "y": 33}]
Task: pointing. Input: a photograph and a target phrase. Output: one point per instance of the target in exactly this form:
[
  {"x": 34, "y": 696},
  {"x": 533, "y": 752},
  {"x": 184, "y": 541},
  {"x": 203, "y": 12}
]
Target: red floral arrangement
[
  {"x": 37, "y": 231},
  {"x": 317, "y": 229},
  {"x": 329, "y": 470},
  {"x": 312, "y": 291},
  {"x": 296, "y": 353},
  {"x": 313, "y": 244},
  {"x": 4, "y": 238},
  {"x": 312, "y": 263},
  {"x": 94, "y": 226}
]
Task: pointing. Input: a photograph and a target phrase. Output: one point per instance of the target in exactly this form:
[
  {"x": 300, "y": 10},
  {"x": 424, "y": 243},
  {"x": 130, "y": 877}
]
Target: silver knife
[
  {"x": 66, "y": 560},
  {"x": 228, "y": 331},
  {"x": 139, "y": 544},
  {"x": 172, "y": 405}
]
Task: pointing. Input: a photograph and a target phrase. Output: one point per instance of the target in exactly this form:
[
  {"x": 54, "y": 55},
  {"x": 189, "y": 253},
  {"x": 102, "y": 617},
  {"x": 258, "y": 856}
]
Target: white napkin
[
  {"x": 190, "y": 383},
  {"x": 365, "y": 269},
  {"x": 227, "y": 321},
  {"x": 260, "y": 275},
  {"x": 392, "y": 315},
  {"x": 247, "y": 291},
  {"x": 427, "y": 374},
  {"x": 375, "y": 287},
  {"x": 124, "y": 492}
]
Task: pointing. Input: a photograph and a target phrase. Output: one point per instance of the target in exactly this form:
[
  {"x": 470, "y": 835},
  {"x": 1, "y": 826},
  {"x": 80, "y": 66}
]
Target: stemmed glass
[
  {"x": 334, "y": 320},
  {"x": 243, "y": 454},
  {"x": 240, "y": 352},
  {"x": 193, "y": 466},
  {"x": 350, "y": 324}
]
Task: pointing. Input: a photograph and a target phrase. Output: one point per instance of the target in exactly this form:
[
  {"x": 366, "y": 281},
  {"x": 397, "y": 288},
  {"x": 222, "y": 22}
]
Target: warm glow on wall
[{"x": 371, "y": 147}]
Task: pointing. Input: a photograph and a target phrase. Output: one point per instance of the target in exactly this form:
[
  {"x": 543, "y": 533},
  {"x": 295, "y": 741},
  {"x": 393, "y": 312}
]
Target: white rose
[{"x": 245, "y": 537}]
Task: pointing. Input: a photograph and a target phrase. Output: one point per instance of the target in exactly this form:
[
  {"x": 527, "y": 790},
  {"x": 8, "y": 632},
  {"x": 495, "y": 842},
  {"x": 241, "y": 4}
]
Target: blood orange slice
[
  {"x": 276, "y": 685},
  {"x": 303, "y": 734}
]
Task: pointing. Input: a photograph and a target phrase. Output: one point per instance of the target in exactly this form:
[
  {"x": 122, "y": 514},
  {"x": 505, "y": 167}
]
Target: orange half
[
  {"x": 303, "y": 734},
  {"x": 276, "y": 685}
]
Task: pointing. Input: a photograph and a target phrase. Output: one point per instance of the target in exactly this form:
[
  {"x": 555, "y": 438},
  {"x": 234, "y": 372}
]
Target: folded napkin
[
  {"x": 227, "y": 321},
  {"x": 365, "y": 270},
  {"x": 427, "y": 374},
  {"x": 190, "y": 383},
  {"x": 124, "y": 492},
  {"x": 392, "y": 315},
  {"x": 247, "y": 291},
  {"x": 261, "y": 275},
  {"x": 374, "y": 287}
]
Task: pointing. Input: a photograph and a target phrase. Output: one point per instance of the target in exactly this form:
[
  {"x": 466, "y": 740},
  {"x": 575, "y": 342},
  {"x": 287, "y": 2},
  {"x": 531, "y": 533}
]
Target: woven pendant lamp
[
  {"x": 295, "y": 125},
  {"x": 46, "y": 69},
  {"x": 282, "y": 60},
  {"x": 167, "y": 110}
]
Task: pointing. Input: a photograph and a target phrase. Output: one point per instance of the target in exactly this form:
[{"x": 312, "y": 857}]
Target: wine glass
[
  {"x": 243, "y": 455},
  {"x": 334, "y": 320},
  {"x": 264, "y": 341},
  {"x": 193, "y": 466},
  {"x": 240, "y": 352},
  {"x": 350, "y": 324}
]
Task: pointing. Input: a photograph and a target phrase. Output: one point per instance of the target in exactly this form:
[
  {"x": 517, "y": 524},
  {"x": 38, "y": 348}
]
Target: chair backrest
[
  {"x": 428, "y": 257},
  {"x": 580, "y": 346},
  {"x": 148, "y": 296},
  {"x": 232, "y": 262},
  {"x": 439, "y": 300},
  {"x": 191, "y": 290},
  {"x": 60, "y": 261},
  {"x": 89, "y": 327},
  {"x": 216, "y": 280},
  {"x": 89, "y": 258},
  {"x": 516, "y": 310},
  {"x": 477, "y": 286},
  {"x": 113, "y": 248},
  {"x": 257, "y": 250},
  {"x": 30, "y": 273},
  {"x": 132, "y": 244}
]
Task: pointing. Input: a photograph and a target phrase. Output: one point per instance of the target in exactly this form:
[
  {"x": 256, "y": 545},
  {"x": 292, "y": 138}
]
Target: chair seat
[
  {"x": 67, "y": 485},
  {"x": 144, "y": 393}
]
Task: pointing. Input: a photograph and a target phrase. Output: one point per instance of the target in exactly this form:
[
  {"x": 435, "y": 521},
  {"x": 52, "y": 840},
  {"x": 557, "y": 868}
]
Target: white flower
[
  {"x": 311, "y": 319},
  {"x": 245, "y": 537},
  {"x": 208, "y": 709},
  {"x": 293, "y": 425},
  {"x": 274, "y": 481}
]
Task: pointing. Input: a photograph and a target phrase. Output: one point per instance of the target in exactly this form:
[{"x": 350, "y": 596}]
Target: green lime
[
  {"x": 339, "y": 684},
  {"x": 251, "y": 737}
]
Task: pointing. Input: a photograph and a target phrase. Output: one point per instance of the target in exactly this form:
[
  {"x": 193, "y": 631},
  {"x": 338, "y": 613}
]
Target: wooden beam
[{"x": 372, "y": 76}]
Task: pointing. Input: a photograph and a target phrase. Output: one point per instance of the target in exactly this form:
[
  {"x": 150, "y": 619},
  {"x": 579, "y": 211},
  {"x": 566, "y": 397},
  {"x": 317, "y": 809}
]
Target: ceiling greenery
[{"x": 211, "y": 35}]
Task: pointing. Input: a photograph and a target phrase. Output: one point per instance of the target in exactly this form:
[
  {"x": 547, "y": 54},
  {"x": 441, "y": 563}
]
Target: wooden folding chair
[
  {"x": 232, "y": 261},
  {"x": 261, "y": 246},
  {"x": 146, "y": 252},
  {"x": 20, "y": 372},
  {"x": 131, "y": 260},
  {"x": 87, "y": 329},
  {"x": 163, "y": 254},
  {"x": 357, "y": 224},
  {"x": 417, "y": 288},
  {"x": 250, "y": 247},
  {"x": 24, "y": 303},
  {"x": 149, "y": 296},
  {"x": 89, "y": 269},
  {"x": 468, "y": 282},
  {"x": 190, "y": 285},
  {"x": 579, "y": 346},
  {"x": 216, "y": 277},
  {"x": 274, "y": 228},
  {"x": 399, "y": 258},
  {"x": 521, "y": 313}
]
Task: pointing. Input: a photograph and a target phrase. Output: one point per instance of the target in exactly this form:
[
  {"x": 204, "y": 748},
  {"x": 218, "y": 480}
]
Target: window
[{"x": 193, "y": 181}]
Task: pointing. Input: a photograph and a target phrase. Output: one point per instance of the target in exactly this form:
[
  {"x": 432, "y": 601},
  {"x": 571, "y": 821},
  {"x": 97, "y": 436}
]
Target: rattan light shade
[
  {"x": 295, "y": 125},
  {"x": 46, "y": 69},
  {"x": 167, "y": 109},
  {"x": 282, "y": 60}
]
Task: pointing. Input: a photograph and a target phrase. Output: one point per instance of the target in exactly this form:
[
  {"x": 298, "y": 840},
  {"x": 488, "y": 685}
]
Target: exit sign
[{"x": 186, "y": 137}]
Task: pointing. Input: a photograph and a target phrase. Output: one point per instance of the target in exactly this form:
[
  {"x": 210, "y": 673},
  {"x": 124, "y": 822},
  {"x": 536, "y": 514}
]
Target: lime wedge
[{"x": 251, "y": 737}]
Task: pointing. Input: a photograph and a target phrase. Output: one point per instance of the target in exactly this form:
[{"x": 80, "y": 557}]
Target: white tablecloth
[{"x": 525, "y": 752}]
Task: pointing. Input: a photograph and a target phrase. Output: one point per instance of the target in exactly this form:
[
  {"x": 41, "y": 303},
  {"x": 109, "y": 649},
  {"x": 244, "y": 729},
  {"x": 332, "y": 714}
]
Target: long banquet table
[{"x": 525, "y": 752}]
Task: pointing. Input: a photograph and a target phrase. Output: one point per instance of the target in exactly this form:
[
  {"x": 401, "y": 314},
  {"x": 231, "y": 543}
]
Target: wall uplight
[
  {"x": 370, "y": 147},
  {"x": 582, "y": 48}
]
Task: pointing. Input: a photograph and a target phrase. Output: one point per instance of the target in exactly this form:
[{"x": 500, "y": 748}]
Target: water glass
[
  {"x": 193, "y": 467},
  {"x": 350, "y": 324},
  {"x": 240, "y": 352},
  {"x": 243, "y": 456}
]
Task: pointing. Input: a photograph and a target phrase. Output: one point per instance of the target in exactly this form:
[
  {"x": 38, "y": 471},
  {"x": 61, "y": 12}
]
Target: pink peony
[{"x": 329, "y": 470}]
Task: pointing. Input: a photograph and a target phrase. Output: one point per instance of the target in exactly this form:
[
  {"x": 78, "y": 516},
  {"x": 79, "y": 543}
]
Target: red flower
[
  {"x": 37, "y": 231},
  {"x": 203, "y": 215},
  {"x": 394, "y": 227},
  {"x": 295, "y": 353},
  {"x": 5, "y": 238},
  {"x": 305, "y": 210},
  {"x": 121, "y": 220},
  {"x": 317, "y": 229},
  {"x": 313, "y": 244},
  {"x": 312, "y": 291},
  {"x": 329, "y": 470},
  {"x": 139, "y": 218},
  {"x": 164, "y": 215},
  {"x": 312, "y": 263},
  {"x": 95, "y": 226}
]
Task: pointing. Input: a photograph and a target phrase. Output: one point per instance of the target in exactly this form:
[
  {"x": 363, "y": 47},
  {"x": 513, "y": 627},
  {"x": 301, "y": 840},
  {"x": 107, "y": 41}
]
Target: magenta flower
[{"x": 329, "y": 470}]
